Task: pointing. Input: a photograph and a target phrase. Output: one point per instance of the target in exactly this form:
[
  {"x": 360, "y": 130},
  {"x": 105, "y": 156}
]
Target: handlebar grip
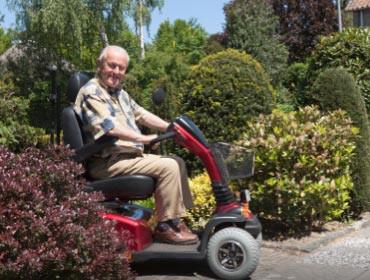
[{"x": 162, "y": 137}]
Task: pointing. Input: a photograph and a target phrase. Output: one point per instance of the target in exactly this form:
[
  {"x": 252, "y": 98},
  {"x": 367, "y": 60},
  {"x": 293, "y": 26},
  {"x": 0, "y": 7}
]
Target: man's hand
[{"x": 146, "y": 139}]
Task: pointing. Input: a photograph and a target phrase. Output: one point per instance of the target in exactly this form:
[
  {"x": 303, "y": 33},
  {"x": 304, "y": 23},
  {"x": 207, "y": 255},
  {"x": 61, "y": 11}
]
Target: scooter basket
[{"x": 235, "y": 162}]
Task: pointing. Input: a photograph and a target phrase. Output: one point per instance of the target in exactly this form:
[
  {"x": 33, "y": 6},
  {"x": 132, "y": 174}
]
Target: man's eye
[{"x": 114, "y": 66}]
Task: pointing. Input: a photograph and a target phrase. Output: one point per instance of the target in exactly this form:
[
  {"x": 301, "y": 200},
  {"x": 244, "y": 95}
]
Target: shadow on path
[{"x": 173, "y": 270}]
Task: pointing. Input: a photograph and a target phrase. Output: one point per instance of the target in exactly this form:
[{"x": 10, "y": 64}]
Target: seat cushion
[{"x": 124, "y": 187}]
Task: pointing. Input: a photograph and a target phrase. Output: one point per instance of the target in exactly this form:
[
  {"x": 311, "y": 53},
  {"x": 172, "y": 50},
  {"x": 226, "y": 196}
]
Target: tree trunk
[
  {"x": 103, "y": 36},
  {"x": 141, "y": 30}
]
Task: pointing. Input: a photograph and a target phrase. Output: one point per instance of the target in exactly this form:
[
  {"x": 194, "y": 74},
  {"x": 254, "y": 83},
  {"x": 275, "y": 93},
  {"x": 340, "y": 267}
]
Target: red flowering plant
[{"x": 49, "y": 227}]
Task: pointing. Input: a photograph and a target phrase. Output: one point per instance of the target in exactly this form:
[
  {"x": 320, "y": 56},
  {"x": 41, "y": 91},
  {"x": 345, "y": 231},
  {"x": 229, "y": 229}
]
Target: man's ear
[{"x": 98, "y": 63}]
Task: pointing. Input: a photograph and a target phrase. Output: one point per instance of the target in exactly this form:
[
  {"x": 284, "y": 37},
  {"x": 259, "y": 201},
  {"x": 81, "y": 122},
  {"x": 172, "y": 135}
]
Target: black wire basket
[{"x": 235, "y": 162}]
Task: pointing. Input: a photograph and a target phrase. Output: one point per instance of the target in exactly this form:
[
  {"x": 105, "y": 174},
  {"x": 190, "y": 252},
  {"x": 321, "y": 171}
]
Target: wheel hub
[{"x": 231, "y": 255}]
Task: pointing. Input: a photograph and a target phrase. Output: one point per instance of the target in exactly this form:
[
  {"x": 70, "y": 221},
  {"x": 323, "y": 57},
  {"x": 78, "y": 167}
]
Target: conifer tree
[{"x": 251, "y": 26}]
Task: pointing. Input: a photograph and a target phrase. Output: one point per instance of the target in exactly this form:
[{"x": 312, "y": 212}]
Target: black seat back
[
  {"x": 75, "y": 83},
  {"x": 72, "y": 134},
  {"x": 72, "y": 129}
]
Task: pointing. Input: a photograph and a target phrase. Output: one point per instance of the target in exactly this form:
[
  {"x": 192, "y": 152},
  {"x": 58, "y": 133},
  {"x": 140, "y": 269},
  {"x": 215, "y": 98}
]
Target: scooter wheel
[{"x": 233, "y": 253}]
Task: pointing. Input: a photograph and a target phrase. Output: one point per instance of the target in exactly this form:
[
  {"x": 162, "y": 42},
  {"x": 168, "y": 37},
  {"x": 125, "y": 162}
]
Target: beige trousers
[{"x": 172, "y": 193}]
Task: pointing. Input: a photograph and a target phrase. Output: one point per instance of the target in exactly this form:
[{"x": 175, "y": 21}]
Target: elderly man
[{"x": 106, "y": 109}]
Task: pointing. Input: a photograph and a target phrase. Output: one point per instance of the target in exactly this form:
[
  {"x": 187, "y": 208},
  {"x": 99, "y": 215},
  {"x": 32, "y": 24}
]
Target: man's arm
[
  {"x": 130, "y": 135},
  {"x": 152, "y": 121}
]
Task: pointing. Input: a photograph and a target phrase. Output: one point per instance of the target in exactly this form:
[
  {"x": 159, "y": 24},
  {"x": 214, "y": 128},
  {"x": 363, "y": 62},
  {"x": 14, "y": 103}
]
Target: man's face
[{"x": 113, "y": 69}]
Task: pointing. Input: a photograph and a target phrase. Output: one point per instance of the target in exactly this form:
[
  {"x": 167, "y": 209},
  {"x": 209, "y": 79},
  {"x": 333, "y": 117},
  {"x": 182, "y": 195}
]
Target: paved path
[{"x": 346, "y": 257}]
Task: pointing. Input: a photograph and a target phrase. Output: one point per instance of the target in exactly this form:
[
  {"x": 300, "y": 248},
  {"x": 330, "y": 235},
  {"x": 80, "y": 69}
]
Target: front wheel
[{"x": 233, "y": 253}]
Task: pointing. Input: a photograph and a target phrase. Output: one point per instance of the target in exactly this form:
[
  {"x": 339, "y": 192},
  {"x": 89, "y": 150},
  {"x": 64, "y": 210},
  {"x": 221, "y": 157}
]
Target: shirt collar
[{"x": 112, "y": 91}]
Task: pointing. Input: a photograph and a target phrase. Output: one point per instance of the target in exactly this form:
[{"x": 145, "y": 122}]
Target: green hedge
[{"x": 302, "y": 168}]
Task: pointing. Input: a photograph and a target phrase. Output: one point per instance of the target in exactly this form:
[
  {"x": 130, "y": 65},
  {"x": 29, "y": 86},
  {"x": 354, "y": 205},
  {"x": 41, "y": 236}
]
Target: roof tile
[{"x": 355, "y": 5}]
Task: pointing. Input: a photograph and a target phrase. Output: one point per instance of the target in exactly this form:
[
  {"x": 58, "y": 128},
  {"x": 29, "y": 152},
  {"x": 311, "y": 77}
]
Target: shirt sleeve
[
  {"x": 96, "y": 114},
  {"x": 138, "y": 111}
]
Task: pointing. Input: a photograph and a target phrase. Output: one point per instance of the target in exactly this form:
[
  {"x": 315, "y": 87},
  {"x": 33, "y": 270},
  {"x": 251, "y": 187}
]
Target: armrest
[{"x": 90, "y": 149}]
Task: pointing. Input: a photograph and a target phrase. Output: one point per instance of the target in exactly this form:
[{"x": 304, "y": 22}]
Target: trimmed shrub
[
  {"x": 204, "y": 202},
  {"x": 49, "y": 228},
  {"x": 224, "y": 91},
  {"x": 334, "y": 89},
  {"x": 349, "y": 49},
  {"x": 302, "y": 176}
]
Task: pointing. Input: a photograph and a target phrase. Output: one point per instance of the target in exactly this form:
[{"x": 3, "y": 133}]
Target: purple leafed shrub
[{"x": 49, "y": 228}]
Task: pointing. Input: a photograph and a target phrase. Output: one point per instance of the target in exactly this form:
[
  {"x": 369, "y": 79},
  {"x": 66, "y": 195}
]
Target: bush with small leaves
[
  {"x": 49, "y": 227},
  {"x": 302, "y": 168}
]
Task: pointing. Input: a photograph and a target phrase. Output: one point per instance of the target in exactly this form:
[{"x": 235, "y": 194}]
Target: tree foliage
[
  {"x": 216, "y": 43},
  {"x": 302, "y": 22},
  {"x": 251, "y": 26},
  {"x": 5, "y": 40},
  {"x": 65, "y": 30},
  {"x": 186, "y": 38}
]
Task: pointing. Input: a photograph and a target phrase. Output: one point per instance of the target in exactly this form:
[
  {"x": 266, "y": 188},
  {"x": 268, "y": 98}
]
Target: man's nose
[{"x": 116, "y": 69}]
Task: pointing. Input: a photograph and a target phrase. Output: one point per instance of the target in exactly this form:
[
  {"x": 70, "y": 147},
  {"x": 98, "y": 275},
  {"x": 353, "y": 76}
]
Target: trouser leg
[
  {"x": 185, "y": 188},
  {"x": 168, "y": 194}
]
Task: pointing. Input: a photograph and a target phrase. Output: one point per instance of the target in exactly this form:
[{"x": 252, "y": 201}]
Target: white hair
[{"x": 103, "y": 53}]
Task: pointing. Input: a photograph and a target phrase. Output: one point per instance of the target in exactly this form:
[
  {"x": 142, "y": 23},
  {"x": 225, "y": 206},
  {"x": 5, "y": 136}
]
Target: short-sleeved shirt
[{"x": 101, "y": 111}]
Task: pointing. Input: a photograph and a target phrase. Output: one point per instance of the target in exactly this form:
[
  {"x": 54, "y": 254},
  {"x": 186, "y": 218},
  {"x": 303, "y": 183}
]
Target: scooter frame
[{"x": 229, "y": 212}]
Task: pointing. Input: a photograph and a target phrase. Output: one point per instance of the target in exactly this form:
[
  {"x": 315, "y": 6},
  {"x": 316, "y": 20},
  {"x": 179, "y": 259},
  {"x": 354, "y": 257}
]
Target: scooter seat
[{"x": 133, "y": 187}]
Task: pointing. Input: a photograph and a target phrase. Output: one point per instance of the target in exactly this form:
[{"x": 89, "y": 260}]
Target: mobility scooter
[{"x": 231, "y": 239}]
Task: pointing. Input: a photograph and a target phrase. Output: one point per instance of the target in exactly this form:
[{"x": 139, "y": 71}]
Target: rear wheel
[{"x": 233, "y": 253}]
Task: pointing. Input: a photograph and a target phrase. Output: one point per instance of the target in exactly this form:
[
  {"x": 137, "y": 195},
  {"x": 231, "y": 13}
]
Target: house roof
[{"x": 355, "y": 5}]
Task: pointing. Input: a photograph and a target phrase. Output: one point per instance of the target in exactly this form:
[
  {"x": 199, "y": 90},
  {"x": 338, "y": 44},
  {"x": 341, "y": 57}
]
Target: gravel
[{"x": 349, "y": 251}]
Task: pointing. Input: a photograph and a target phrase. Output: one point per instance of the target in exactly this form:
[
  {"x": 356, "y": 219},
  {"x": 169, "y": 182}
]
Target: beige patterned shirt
[{"x": 101, "y": 111}]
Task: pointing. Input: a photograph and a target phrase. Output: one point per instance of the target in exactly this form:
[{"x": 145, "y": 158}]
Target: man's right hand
[{"x": 146, "y": 139}]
